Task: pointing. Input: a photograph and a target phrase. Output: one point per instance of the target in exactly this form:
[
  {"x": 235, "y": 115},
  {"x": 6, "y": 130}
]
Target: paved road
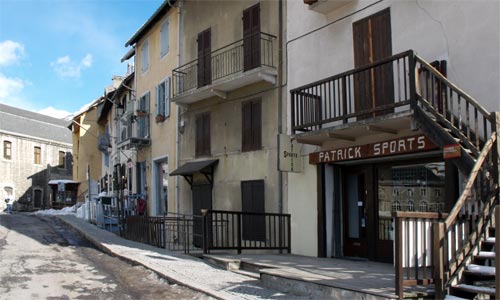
[{"x": 41, "y": 258}]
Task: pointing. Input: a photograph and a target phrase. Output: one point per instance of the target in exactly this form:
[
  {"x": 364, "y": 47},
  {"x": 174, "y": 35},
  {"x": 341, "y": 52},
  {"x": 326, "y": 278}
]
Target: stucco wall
[
  {"x": 225, "y": 20},
  {"x": 162, "y": 134}
]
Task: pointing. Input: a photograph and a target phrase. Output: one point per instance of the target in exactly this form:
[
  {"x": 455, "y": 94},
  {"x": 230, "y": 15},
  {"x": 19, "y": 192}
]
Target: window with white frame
[
  {"x": 164, "y": 38},
  {"x": 162, "y": 103},
  {"x": 145, "y": 56}
]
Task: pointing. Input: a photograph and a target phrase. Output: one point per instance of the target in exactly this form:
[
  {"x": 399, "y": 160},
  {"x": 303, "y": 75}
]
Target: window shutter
[
  {"x": 167, "y": 97},
  {"x": 206, "y": 133},
  {"x": 199, "y": 135},
  {"x": 164, "y": 36},
  {"x": 157, "y": 102},
  {"x": 146, "y": 121},
  {"x": 246, "y": 126},
  {"x": 256, "y": 125}
]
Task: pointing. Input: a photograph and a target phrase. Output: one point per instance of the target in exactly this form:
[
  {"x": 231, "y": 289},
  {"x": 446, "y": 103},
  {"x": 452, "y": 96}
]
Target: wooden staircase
[
  {"x": 462, "y": 248},
  {"x": 478, "y": 278}
]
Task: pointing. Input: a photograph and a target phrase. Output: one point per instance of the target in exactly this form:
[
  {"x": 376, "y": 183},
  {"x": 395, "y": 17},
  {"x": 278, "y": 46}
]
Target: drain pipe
[
  {"x": 280, "y": 100},
  {"x": 178, "y": 109}
]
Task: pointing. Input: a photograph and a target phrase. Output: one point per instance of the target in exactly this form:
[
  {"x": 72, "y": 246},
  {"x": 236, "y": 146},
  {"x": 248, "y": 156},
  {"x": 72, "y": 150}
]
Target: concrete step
[
  {"x": 224, "y": 263},
  {"x": 247, "y": 273}
]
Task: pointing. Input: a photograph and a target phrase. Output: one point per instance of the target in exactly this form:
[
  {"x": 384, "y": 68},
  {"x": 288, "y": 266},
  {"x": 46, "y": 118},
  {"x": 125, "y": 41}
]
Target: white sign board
[
  {"x": 289, "y": 154},
  {"x": 60, "y": 186}
]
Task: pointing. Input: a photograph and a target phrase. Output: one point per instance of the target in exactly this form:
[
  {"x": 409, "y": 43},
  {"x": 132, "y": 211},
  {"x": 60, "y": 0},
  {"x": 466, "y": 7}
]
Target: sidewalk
[{"x": 177, "y": 267}]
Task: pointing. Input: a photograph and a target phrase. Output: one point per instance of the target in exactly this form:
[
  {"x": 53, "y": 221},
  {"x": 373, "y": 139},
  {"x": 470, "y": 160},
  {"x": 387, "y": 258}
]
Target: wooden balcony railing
[{"x": 365, "y": 92}]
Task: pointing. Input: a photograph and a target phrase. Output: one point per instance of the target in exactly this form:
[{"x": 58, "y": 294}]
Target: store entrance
[{"x": 372, "y": 192}]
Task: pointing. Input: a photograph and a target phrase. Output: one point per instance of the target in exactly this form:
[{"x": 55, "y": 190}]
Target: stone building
[{"x": 35, "y": 150}]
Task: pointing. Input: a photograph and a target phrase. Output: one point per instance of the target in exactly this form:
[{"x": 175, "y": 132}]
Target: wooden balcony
[{"x": 233, "y": 66}]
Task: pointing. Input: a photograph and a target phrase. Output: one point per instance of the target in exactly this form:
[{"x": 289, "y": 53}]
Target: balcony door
[
  {"x": 251, "y": 37},
  {"x": 204, "y": 58},
  {"x": 374, "y": 87}
]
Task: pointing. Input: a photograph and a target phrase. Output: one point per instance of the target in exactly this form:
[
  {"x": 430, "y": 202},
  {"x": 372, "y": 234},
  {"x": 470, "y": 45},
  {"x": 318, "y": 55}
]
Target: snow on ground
[{"x": 57, "y": 212}]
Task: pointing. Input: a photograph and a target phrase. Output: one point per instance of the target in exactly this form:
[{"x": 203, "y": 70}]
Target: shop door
[
  {"x": 202, "y": 199},
  {"x": 372, "y": 42},
  {"x": 355, "y": 212},
  {"x": 38, "y": 199}
]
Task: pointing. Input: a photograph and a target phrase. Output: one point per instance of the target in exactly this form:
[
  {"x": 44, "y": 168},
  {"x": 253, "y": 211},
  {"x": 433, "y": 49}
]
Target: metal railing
[
  {"x": 234, "y": 230},
  {"x": 239, "y": 56},
  {"x": 215, "y": 230}
]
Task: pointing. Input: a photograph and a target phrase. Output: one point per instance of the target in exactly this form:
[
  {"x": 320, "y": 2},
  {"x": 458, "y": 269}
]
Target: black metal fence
[
  {"x": 225, "y": 61},
  {"x": 215, "y": 230}
]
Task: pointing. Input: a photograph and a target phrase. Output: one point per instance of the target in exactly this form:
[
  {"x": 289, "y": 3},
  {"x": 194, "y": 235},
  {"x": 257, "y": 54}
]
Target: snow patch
[{"x": 57, "y": 212}]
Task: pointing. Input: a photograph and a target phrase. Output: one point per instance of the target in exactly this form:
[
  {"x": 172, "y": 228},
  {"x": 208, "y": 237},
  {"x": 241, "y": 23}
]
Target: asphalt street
[{"x": 42, "y": 258}]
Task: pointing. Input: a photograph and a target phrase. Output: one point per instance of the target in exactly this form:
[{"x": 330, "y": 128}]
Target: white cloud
[
  {"x": 55, "y": 113},
  {"x": 67, "y": 68},
  {"x": 10, "y": 86},
  {"x": 10, "y": 52}
]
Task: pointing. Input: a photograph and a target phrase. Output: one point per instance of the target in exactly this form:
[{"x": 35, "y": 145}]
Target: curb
[{"x": 211, "y": 293}]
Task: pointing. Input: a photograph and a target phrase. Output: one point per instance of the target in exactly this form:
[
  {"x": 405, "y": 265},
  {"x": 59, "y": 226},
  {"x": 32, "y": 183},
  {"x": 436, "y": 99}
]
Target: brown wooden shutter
[
  {"x": 206, "y": 134},
  {"x": 246, "y": 126},
  {"x": 251, "y": 37},
  {"x": 199, "y": 135},
  {"x": 252, "y": 200},
  {"x": 256, "y": 125},
  {"x": 204, "y": 58}
]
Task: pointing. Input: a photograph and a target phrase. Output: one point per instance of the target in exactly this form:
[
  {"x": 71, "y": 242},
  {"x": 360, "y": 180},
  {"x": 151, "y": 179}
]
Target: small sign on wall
[
  {"x": 452, "y": 151},
  {"x": 289, "y": 154}
]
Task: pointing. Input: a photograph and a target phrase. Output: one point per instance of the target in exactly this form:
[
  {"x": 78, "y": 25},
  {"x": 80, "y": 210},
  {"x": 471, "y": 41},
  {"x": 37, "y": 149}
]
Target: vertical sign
[{"x": 289, "y": 154}]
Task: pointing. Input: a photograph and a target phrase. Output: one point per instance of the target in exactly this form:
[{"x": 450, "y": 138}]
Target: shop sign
[
  {"x": 290, "y": 159},
  {"x": 452, "y": 151},
  {"x": 391, "y": 147},
  {"x": 60, "y": 187}
]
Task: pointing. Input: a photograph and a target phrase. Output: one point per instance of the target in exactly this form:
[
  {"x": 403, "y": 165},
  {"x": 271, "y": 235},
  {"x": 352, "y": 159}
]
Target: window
[
  {"x": 145, "y": 56},
  {"x": 143, "y": 116},
  {"x": 203, "y": 134},
  {"x": 62, "y": 159},
  {"x": 252, "y": 201},
  {"x": 38, "y": 156},
  {"x": 164, "y": 38},
  {"x": 251, "y": 119},
  {"x": 7, "y": 150},
  {"x": 163, "y": 100}
]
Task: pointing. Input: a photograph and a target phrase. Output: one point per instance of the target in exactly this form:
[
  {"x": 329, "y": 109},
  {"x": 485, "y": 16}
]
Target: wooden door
[
  {"x": 38, "y": 199},
  {"x": 252, "y": 198},
  {"x": 202, "y": 199},
  {"x": 355, "y": 214},
  {"x": 374, "y": 87},
  {"x": 251, "y": 37},
  {"x": 204, "y": 58}
]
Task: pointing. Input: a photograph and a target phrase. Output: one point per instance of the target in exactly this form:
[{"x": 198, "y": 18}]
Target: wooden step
[
  {"x": 489, "y": 241},
  {"x": 475, "y": 289},
  {"x": 485, "y": 255},
  {"x": 477, "y": 270}
]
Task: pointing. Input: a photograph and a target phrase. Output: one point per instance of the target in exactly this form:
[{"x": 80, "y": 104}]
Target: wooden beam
[
  {"x": 341, "y": 137},
  {"x": 381, "y": 129}
]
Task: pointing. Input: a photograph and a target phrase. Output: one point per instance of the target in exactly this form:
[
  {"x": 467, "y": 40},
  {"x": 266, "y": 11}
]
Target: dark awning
[{"x": 204, "y": 167}]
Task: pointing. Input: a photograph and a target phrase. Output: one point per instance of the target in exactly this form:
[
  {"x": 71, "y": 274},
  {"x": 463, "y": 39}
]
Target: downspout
[
  {"x": 280, "y": 100},
  {"x": 178, "y": 109}
]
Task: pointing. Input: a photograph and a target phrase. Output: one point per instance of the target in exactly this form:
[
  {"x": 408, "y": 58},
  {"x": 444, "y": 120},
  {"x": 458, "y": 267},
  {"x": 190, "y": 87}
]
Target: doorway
[
  {"x": 161, "y": 187},
  {"x": 37, "y": 195},
  {"x": 355, "y": 214},
  {"x": 202, "y": 199}
]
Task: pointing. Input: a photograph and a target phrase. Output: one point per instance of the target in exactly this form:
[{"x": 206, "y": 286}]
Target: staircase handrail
[
  {"x": 468, "y": 187},
  {"x": 459, "y": 91}
]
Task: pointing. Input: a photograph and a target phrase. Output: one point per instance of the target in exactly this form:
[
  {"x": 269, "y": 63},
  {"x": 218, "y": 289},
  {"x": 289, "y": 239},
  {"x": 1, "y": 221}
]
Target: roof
[
  {"x": 193, "y": 167},
  {"x": 157, "y": 15},
  {"x": 25, "y": 122}
]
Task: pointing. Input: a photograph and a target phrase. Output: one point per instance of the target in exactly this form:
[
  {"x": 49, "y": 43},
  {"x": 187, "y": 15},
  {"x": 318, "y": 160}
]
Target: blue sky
[{"x": 58, "y": 55}]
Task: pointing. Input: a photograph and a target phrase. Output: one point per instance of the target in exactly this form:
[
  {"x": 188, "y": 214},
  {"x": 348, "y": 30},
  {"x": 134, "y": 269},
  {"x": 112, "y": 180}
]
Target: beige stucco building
[
  {"x": 154, "y": 154},
  {"x": 228, "y": 88}
]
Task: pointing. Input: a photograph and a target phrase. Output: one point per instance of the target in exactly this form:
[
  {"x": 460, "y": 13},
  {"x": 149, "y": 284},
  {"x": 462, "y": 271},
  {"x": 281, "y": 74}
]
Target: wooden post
[
  {"x": 398, "y": 240},
  {"x": 412, "y": 70},
  {"x": 497, "y": 251},
  {"x": 438, "y": 258}
]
